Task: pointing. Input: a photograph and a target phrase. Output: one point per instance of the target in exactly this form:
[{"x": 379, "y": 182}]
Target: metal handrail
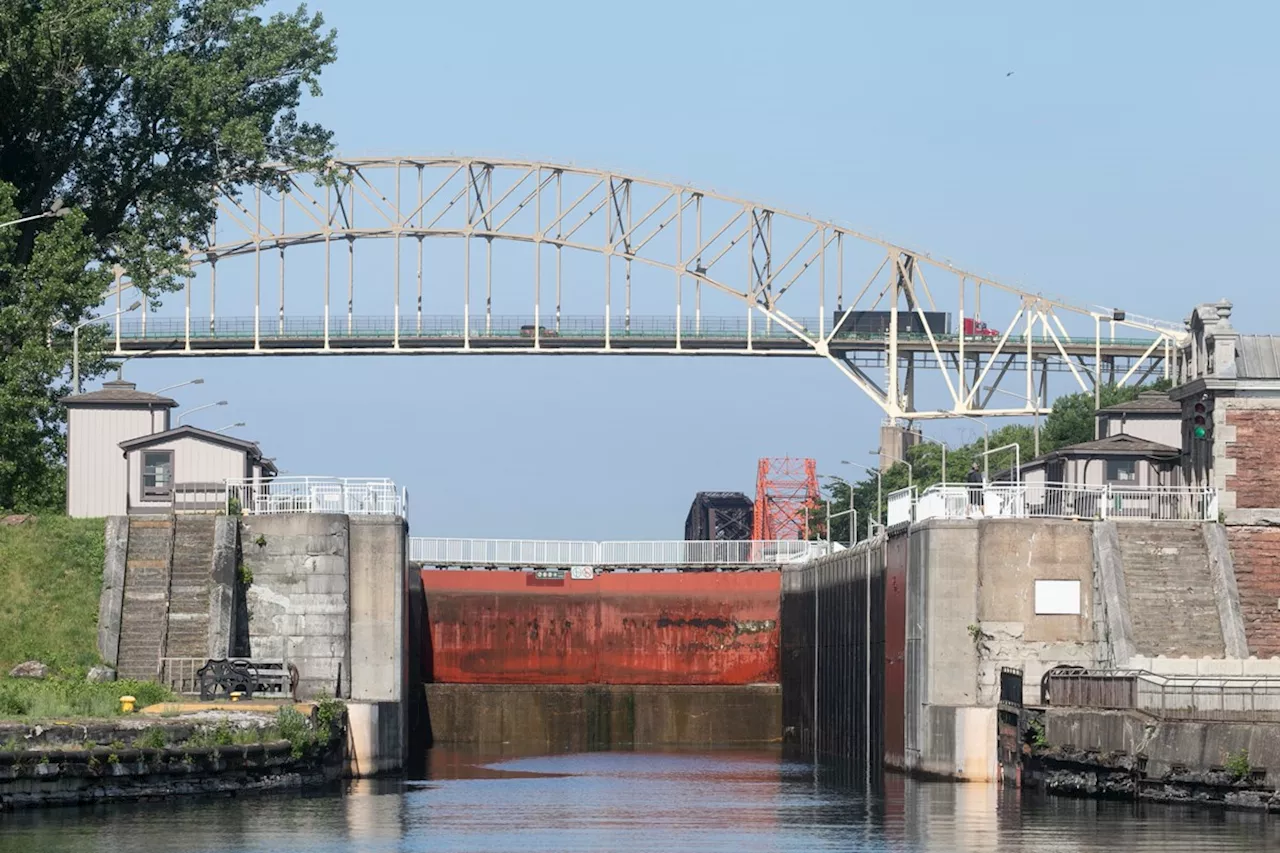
[
  {"x": 1075, "y": 501},
  {"x": 655, "y": 553},
  {"x": 301, "y": 495},
  {"x": 1194, "y": 697}
]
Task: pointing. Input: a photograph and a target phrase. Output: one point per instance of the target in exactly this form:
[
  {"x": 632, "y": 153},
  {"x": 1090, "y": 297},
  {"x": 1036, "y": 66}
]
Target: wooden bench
[{"x": 271, "y": 678}]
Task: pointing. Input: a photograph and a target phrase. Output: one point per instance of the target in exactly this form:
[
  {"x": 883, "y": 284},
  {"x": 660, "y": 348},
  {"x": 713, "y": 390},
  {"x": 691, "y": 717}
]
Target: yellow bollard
[
  {"x": 235, "y": 696},
  {"x": 126, "y": 704}
]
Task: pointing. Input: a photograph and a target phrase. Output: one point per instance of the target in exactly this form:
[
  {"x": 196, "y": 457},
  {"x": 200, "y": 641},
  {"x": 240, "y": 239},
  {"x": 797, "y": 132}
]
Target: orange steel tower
[{"x": 786, "y": 489}]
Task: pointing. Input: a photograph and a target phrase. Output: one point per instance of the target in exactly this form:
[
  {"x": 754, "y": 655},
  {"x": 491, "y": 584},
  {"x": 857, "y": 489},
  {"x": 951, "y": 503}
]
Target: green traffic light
[{"x": 1200, "y": 432}]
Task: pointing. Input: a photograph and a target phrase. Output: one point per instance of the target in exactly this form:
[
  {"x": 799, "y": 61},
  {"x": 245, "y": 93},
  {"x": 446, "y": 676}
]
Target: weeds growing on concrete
[{"x": 1237, "y": 764}]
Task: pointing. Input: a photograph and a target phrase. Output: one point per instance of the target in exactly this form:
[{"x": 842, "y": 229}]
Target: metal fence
[
  {"x": 179, "y": 675},
  {"x": 1181, "y": 697},
  {"x": 536, "y": 552},
  {"x": 1063, "y": 500},
  {"x": 292, "y": 495},
  {"x": 900, "y": 506}
]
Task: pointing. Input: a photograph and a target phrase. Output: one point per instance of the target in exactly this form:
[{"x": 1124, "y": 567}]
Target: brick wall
[
  {"x": 1255, "y": 551},
  {"x": 1256, "y": 453}
]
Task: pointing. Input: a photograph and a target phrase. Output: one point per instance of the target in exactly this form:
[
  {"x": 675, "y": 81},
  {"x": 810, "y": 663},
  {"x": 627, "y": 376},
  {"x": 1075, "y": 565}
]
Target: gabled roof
[
  {"x": 1121, "y": 444},
  {"x": 188, "y": 431},
  {"x": 1148, "y": 402},
  {"x": 119, "y": 393}
]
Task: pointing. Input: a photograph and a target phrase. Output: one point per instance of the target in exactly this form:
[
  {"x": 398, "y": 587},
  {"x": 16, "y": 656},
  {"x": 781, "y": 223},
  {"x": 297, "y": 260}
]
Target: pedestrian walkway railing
[
  {"x": 294, "y": 495},
  {"x": 1180, "y": 697},
  {"x": 619, "y": 554},
  {"x": 1056, "y": 500}
]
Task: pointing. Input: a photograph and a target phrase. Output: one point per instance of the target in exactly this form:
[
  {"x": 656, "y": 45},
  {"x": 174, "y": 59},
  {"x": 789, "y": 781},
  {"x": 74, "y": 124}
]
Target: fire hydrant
[{"x": 126, "y": 704}]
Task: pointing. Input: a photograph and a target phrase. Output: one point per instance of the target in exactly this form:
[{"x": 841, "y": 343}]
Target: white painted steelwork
[
  {"x": 289, "y": 495},
  {"x": 1068, "y": 501},
  {"x": 654, "y": 554}
]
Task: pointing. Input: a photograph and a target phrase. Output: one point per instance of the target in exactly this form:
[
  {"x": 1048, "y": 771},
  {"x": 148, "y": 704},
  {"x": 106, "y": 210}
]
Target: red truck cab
[{"x": 978, "y": 329}]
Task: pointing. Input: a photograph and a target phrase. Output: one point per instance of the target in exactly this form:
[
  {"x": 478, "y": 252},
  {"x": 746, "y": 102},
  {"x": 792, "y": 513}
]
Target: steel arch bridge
[{"x": 459, "y": 255}]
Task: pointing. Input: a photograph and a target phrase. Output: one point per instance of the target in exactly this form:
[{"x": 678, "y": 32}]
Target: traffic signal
[{"x": 1201, "y": 419}]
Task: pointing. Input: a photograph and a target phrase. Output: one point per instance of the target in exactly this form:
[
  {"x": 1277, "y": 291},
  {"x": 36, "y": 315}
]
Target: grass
[
  {"x": 64, "y": 698},
  {"x": 51, "y": 575}
]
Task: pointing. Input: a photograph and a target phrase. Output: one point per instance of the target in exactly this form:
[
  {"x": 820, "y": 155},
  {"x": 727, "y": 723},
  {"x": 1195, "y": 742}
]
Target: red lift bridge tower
[{"x": 786, "y": 490}]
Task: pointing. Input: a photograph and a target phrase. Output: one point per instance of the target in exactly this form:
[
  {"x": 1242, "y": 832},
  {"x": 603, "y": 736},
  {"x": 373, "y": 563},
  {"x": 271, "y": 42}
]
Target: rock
[
  {"x": 15, "y": 520},
  {"x": 101, "y": 673},
  {"x": 29, "y": 669}
]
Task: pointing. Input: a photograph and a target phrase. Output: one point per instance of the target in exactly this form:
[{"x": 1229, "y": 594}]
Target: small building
[
  {"x": 97, "y": 476},
  {"x": 1118, "y": 459},
  {"x": 1152, "y": 415},
  {"x": 185, "y": 469}
]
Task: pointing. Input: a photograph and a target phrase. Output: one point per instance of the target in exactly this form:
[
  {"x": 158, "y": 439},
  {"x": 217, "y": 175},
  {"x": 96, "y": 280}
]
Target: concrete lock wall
[{"x": 298, "y": 597}]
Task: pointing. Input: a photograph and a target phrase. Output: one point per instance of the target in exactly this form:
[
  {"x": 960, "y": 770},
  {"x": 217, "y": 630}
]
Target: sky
[{"x": 1128, "y": 159}]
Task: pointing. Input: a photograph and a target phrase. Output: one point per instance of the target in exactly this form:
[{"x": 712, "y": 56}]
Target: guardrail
[
  {"x": 634, "y": 554},
  {"x": 295, "y": 495},
  {"x": 1174, "y": 697},
  {"x": 1061, "y": 500}
]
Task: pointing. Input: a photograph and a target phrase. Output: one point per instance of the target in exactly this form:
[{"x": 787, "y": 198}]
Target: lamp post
[
  {"x": 911, "y": 471},
  {"x": 1035, "y": 413},
  {"x": 938, "y": 442},
  {"x": 199, "y": 409},
  {"x": 879, "y": 486},
  {"x": 181, "y": 385},
  {"x": 230, "y": 426},
  {"x": 75, "y": 340},
  {"x": 986, "y": 437},
  {"x": 57, "y": 211}
]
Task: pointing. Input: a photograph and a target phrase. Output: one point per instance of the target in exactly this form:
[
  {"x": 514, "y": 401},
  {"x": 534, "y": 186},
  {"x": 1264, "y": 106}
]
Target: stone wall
[
  {"x": 298, "y": 598},
  {"x": 1255, "y": 553}
]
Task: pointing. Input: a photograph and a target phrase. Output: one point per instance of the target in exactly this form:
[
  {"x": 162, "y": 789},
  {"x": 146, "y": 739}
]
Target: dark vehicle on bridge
[
  {"x": 909, "y": 323},
  {"x": 543, "y": 332}
]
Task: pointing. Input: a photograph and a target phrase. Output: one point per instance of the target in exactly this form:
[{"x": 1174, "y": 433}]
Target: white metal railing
[
  {"x": 1065, "y": 500},
  {"x": 900, "y": 506},
  {"x": 536, "y": 552},
  {"x": 291, "y": 495}
]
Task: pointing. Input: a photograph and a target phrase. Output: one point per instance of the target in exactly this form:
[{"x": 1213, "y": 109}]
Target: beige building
[
  {"x": 96, "y": 424},
  {"x": 185, "y": 469}
]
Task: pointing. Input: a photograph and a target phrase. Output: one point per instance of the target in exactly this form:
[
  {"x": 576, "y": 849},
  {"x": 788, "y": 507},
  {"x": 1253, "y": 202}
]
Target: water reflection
[{"x": 736, "y": 800}]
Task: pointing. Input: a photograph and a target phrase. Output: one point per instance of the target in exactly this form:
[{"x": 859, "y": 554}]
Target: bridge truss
[{"x": 482, "y": 256}]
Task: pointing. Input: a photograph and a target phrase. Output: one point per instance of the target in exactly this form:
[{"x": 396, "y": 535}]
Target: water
[{"x": 718, "y": 802}]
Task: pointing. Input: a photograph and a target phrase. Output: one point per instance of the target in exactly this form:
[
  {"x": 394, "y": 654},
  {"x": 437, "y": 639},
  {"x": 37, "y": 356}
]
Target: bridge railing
[
  {"x": 1065, "y": 500},
  {"x": 294, "y": 495},
  {"x": 531, "y": 552}
]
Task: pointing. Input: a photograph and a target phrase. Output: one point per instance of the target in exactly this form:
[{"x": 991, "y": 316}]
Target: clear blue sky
[{"x": 1130, "y": 159}]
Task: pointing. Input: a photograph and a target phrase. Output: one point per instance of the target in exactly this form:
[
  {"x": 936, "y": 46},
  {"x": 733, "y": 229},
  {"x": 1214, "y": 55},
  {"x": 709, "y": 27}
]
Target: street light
[
  {"x": 57, "y": 210},
  {"x": 879, "y": 486},
  {"x": 230, "y": 426},
  {"x": 181, "y": 385},
  {"x": 991, "y": 389},
  {"x": 199, "y": 409},
  {"x": 75, "y": 340},
  {"x": 986, "y": 440},
  {"x": 911, "y": 471},
  {"x": 938, "y": 442}
]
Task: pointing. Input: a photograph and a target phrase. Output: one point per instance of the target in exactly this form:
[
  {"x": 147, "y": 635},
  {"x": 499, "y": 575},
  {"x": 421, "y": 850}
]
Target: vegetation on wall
[{"x": 123, "y": 117}]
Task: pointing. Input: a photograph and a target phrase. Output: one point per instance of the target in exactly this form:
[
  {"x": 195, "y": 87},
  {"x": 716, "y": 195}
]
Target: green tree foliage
[
  {"x": 130, "y": 113},
  {"x": 1070, "y": 422}
]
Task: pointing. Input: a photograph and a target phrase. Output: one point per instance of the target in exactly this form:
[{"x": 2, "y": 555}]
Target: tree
[
  {"x": 133, "y": 114},
  {"x": 1072, "y": 419}
]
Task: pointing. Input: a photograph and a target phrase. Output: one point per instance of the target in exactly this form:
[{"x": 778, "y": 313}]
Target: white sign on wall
[
  {"x": 1057, "y": 598},
  {"x": 582, "y": 573}
]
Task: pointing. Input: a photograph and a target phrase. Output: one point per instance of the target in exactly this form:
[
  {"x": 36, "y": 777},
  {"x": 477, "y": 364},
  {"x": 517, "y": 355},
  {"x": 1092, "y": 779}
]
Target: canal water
[{"x": 634, "y": 802}]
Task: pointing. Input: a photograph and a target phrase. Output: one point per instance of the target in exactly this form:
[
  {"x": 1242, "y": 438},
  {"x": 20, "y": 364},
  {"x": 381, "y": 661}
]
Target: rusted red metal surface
[
  {"x": 895, "y": 648},
  {"x": 617, "y": 628}
]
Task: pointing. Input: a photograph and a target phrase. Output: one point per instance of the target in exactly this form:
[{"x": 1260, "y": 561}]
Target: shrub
[
  {"x": 1238, "y": 764},
  {"x": 294, "y": 728}
]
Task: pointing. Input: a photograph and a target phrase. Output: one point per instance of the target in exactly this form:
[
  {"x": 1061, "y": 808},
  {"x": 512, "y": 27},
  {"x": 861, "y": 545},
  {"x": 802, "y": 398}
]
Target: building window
[
  {"x": 1122, "y": 471},
  {"x": 157, "y": 474}
]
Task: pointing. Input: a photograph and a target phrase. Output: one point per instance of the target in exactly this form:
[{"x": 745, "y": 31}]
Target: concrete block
[
  {"x": 376, "y": 738},
  {"x": 111, "y": 599},
  {"x": 1223, "y": 577},
  {"x": 1174, "y": 666},
  {"x": 1210, "y": 666},
  {"x": 1114, "y": 594},
  {"x": 1263, "y": 666}
]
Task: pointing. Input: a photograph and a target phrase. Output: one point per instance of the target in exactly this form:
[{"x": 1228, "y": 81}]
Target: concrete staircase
[
  {"x": 1170, "y": 590},
  {"x": 146, "y": 596},
  {"x": 189, "y": 578}
]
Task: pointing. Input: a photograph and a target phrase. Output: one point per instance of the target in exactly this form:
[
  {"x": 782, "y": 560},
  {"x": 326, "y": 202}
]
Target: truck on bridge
[{"x": 877, "y": 323}]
